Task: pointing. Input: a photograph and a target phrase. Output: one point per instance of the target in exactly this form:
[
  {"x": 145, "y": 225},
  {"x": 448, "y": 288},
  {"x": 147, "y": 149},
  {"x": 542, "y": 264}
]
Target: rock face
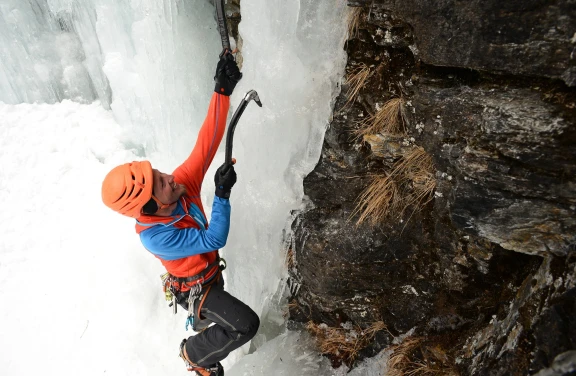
[
  {"x": 486, "y": 270},
  {"x": 520, "y": 37},
  {"x": 509, "y": 153}
]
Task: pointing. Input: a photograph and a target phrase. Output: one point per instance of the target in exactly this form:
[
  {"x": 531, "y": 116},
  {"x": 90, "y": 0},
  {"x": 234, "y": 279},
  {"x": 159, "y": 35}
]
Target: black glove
[
  {"x": 227, "y": 74},
  {"x": 224, "y": 179}
]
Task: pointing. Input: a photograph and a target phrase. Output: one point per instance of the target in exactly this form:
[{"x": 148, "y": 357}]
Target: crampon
[{"x": 214, "y": 370}]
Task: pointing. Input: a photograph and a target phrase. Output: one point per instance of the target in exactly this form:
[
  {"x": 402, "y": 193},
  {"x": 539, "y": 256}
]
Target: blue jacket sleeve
[{"x": 170, "y": 243}]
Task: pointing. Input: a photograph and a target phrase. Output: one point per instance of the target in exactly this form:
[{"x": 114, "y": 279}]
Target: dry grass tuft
[
  {"x": 354, "y": 16},
  {"x": 343, "y": 343},
  {"x": 401, "y": 359},
  {"x": 356, "y": 79},
  {"x": 417, "y": 170},
  {"x": 378, "y": 200},
  {"x": 292, "y": 306},
  {"x": 411, "y": 358},
  {"x": 391, "y": 118},
  {"x": 411, "y": 183},
  {"x": 290, "y": 260}
]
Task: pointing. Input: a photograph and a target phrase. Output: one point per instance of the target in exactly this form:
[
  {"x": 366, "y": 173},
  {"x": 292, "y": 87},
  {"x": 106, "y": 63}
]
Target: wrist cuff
[
  {"x": 221, "y": 90},
  {"x": 222, "y": 193}
]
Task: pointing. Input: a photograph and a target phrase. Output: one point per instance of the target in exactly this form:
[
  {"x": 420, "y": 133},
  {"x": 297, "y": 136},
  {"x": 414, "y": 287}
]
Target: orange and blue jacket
[{"x": 184, "y": 242}]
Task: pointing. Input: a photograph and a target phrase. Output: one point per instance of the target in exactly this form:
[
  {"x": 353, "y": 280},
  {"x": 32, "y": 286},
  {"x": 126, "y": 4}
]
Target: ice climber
[{"x": 172, "y": 225}]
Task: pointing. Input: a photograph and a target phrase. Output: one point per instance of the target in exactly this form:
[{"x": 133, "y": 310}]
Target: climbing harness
[{"x": 176, "y": 288}]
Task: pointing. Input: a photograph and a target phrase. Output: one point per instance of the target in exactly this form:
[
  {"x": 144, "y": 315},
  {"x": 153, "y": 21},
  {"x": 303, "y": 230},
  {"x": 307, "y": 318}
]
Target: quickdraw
[
  {"x": 194, "y": 294},
  {"x": 169, "y": 289}
]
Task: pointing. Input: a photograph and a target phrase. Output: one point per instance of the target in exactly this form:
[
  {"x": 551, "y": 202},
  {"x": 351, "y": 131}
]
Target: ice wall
[
  {"x": 42, "y": 58},
  {"x": 293, "y": 55},
  {"x": 152, "y": 62}
]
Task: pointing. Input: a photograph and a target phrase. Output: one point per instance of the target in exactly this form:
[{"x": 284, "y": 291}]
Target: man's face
[{"x": 165, "y": 188}]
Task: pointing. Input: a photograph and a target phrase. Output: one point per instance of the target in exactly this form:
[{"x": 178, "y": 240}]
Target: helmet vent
[
  {"x": 131, "y": 190},
  {"x": 121, "y": 195}
]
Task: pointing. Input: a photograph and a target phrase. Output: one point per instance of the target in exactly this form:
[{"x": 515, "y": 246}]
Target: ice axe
[
  {"x": 222, "y": 26},
  {"x": 251, "y": 95}
]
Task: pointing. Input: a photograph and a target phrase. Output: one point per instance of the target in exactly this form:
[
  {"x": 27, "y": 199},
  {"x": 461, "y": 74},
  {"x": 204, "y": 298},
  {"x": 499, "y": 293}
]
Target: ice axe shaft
[
  {"x": 251, "y": 95},
  {"x": 222, "y": 25}
]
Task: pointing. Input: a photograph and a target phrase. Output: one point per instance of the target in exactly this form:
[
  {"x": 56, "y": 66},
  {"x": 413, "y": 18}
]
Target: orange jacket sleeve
[{"x": 192, "y": 171}]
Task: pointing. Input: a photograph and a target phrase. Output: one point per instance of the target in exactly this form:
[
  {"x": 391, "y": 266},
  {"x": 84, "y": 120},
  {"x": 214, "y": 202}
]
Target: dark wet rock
[
  {"x": 538, "y": 326},
  {"x": 486, "y": 269},
  {"x": 521, "y": 37},
  {"x": 511, "y": 162},
  {"x": 555, "y": 332},
  {"x": 449, "y": 321},
  {"x": 563, "y": 365}
]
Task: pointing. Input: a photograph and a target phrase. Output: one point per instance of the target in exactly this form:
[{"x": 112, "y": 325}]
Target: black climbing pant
[{"x": 236, "y": 324}]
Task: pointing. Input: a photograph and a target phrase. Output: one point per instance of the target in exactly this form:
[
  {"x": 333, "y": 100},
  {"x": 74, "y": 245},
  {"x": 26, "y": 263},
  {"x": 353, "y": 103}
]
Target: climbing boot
[{"x": 213, "y": 370}]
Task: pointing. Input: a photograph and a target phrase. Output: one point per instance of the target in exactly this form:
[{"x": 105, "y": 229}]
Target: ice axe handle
[
  {"x": 227, "y": 51},
  {"x": 228, "y": 165},
  {"x": 222, "y": 25},
  {"x": 251, "y": 95}
]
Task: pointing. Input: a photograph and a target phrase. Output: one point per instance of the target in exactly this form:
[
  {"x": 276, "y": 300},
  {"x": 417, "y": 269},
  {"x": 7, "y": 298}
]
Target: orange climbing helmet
[{"x": 128, "y": 187}]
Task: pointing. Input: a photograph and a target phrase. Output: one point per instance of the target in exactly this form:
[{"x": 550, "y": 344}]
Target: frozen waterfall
[{"x": 89, "y": 84}]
